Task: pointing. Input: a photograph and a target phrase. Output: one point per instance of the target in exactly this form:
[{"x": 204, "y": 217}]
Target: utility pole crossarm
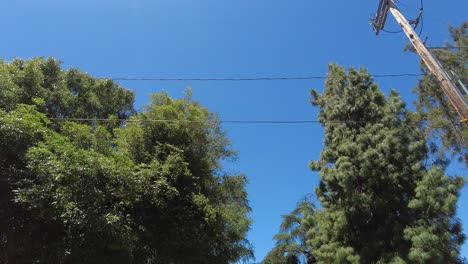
[
  {"x": 381, "y": 16},
  {"x": 446, "y": 83}
]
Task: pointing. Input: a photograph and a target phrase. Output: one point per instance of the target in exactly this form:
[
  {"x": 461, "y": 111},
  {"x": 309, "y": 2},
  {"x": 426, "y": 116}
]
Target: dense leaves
[
  {"x": 142, "y": 192},
  {"x": 70, "y": 93},
  {"x": 380, "y": 203},
  {"x": 197, "y": 202}
]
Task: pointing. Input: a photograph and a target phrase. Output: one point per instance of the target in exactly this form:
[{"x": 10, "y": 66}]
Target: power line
[
  {"x": 229, "y": 79},
  {"x": 193, "y": 121},
  {"x": 401, "y": 3},
  {"x": 218, "y": 79},
  {"x": 448, "y": 47},
  {"x": 279, "y": 122},
  {"x": 421, "y": 18},
  {"x": 392, "y": 32},
  {"x": 438, "y": 20},
  {"x": 259, "y": 78}
]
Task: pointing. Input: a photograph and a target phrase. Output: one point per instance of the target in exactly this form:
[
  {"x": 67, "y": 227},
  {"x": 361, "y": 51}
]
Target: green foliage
[
  {"x": 19, "y": 130},
  {"x": 70, "y": 93},
  {"x": 146, "y": 192},
  {"x": 443, "y": 121},
  {"x": 380, "y": 203},
  {"x": 86, "y": 193},
  {"x": 434, "y": 203},
  {"x": 291, "y": 243},
  {"x": 195, "y": 197},
  {"x": 276, "y": 256}
]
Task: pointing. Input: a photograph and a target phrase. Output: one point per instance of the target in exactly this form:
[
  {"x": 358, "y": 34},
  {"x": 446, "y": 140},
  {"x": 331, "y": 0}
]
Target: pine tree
[{"x": 380, "y": 203}]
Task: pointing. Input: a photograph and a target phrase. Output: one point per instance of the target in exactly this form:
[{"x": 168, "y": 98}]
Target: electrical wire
[
  {"x": 438, "y": 20},
  {"x": 416, "y": 21},
  {"x": 259, "y": 78},
  {"x": 280, "y": 122},
  {"x": 392, "y": 32},
  {"x": 401, "y": 3},
  {"x": 421, "y": 18},
  {"x": 229, "y": 79},
  {"x": 448, "y": 47},
  {"x": 196, "y": 121}
]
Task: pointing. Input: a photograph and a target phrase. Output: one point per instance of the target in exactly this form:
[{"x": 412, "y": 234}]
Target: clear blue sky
[{"x": 213, "y": 38}]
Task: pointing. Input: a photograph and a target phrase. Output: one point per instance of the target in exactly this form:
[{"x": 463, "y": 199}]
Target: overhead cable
[
  {"x": 258, "y": 78},
  {"x": 285, "y": 78},
  {"x": 448, "y": 47},
  {"x": 392, "y": 32},
  {"x": 191, "y": 121},
  {"x": 284, "y": 122}
]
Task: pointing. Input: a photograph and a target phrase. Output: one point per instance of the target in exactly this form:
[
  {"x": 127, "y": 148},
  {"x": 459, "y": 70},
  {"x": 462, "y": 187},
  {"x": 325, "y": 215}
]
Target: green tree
[
  {"x": 65, "y": 93},
  {"x": 203, "y": 206},
  {"x": 25, "y": 87},
  {"x": 380, "y": 203},
  {"x": 443, "y": 121},
  {"x": 19, "y": 130},
  {"x": 86, "y": 194},
  {"x": 291, "y": 243},
  {"x": 145, "y": 192}
]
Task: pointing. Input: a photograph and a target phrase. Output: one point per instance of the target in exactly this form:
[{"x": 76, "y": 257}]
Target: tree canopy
[
  {"x": 141, "y": 191},
  {"x": 381, "y": 204}
]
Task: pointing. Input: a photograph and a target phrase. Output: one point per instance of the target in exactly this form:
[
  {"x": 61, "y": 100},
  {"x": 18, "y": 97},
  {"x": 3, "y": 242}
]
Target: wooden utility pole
[{"x": 446, "y": 83}]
